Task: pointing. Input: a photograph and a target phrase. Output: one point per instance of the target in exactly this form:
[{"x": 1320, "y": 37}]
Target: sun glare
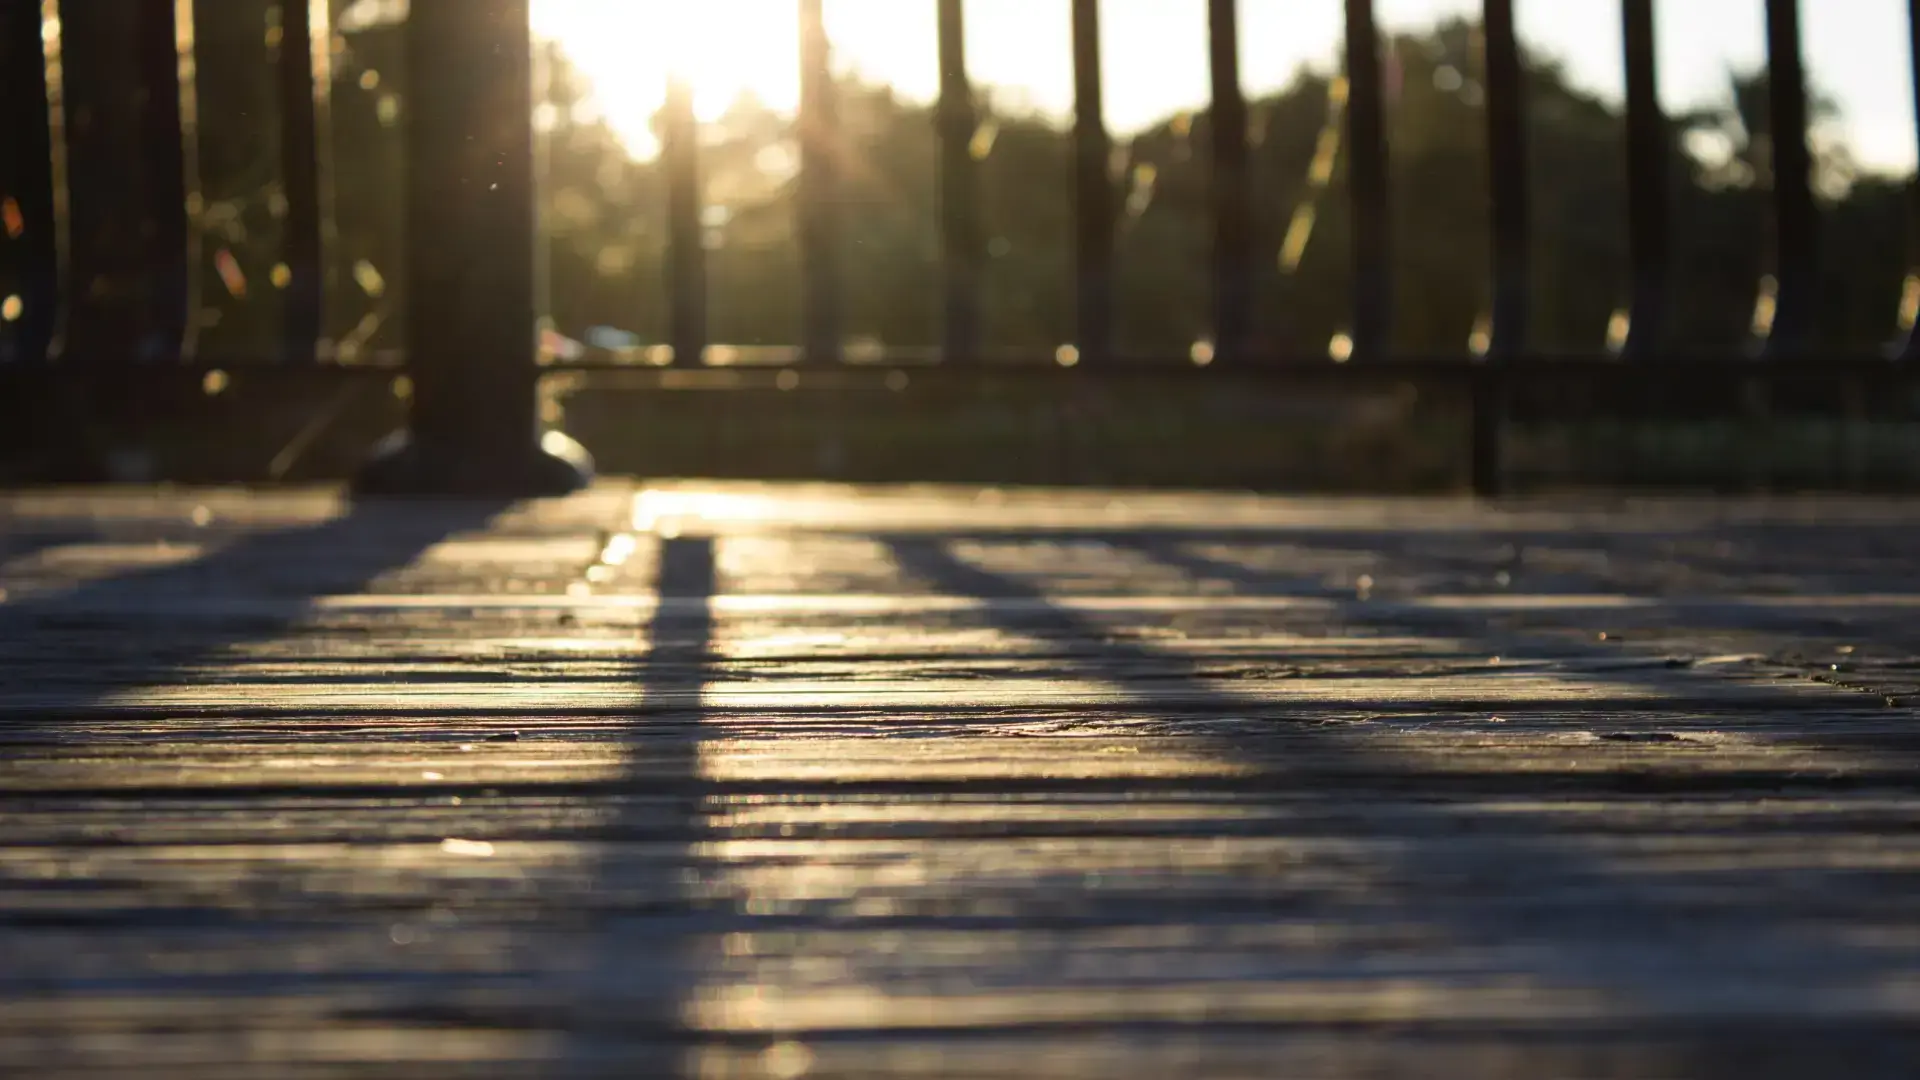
[
  {"x": 1018, "y": 53},
  {"x": 726, "y": 50},
  {"x": 1018, "y": 50},
  {"x": 628, "y": 49}
]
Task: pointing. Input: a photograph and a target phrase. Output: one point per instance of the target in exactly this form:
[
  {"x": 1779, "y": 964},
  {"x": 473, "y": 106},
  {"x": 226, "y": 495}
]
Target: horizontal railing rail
[{"x": 97, "y": 153}]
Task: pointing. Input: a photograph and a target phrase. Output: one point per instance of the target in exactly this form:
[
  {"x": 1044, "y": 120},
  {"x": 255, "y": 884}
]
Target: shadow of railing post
[
  {"x": 639, "y": 975},
  {"x": 150, "y": 626},
  {"x": 1645, "y": 947}
]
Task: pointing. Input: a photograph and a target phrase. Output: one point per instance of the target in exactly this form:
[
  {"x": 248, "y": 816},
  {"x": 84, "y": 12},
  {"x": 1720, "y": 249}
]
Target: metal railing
[{"x": 96, "y": 157}]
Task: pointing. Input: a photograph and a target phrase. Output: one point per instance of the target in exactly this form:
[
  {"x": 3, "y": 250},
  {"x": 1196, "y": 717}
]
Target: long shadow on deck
[
  {"x": 1732, "y": 583},
  {"x": 1838, "y": 558},
  {"x": 1527, "y": 900},
  {"x": 652, "y": 912},
  {"x": 1865, "y": 652},
  {"x": 145, "y": 627},
  {"x": 624, "y": 1015},
  {"x": 618, "y": 994}
]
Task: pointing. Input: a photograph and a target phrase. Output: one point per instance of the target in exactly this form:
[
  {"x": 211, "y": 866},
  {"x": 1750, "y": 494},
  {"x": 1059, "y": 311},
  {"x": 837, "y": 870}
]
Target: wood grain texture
[{"x": 784, "y": 781}]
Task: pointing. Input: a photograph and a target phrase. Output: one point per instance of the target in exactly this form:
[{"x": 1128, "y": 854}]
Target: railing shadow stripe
[
  {"x": 1623, "y": 937},
  {"x": 654, "y": 914},
  {"x": 79, "y": 625}
]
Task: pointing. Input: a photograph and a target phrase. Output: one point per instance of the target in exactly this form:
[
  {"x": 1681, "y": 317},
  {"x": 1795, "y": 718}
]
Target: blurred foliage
[{"x": 605, "y": 211}]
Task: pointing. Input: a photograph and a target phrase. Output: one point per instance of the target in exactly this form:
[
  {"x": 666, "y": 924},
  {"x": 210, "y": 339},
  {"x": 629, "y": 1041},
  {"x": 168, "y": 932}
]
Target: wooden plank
[{"x": 812, "y": 780}]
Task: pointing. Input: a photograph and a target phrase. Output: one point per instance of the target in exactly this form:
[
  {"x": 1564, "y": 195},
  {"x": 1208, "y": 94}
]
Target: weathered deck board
[{"x": 801, "y": 780}]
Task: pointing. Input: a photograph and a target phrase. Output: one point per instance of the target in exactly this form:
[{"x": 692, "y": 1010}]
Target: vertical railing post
[
  {"x": 1232, "y": 204},
  {"x": 1507, "y": 177},
  {"x": 959, "y": 189},
  {"x": 1649, "y": 182},
  {"x": 1796, "y": 221},
  {"x": 819, "y": 192},
  {"x": 1367, "y": 185},
  {"x": 30, "y": 303},
  {"x": 471, "y": 330},
  {"x": 1910, "y": 352},
  {"x": 686, "y": 239},
  {"x": 306, "y": 81},
  {"x": 170, "y": 133},
  {"x": 131, "y": 146},
  {"x": 1093, "y": 191},
  {"x": 1512, "y": 242}
]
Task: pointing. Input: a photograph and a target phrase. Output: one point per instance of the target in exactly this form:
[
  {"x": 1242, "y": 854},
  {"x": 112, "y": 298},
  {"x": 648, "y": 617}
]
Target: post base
[{"x": 555, "y": 465}]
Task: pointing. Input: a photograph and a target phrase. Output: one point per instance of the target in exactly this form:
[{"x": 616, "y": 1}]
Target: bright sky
[{"x": 1856, "y": 50}]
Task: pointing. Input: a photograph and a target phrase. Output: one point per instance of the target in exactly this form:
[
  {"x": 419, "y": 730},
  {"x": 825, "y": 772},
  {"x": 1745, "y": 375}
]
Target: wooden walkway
[{"x": 791, "y": 781}]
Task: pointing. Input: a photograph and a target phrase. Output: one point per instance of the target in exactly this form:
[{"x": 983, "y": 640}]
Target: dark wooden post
[
  {"x": 959, "y": 189},
  {"x": 1796, "y": 220},
  {"x": 471, "y": 335},
  {"x": 1649, "y": 182},
  {"x": 306, "y": 84},
  {"x": 1507, "y": 173},
  {"x": 1232, "y": 204},
  {"x": 686, "y": 239},
  {"x": 819, "y": 192},
  {"x": 1367, "y": 185},
  {"x": 1512, "y": 241},
  {"x": 1093, "y": 190},
  {"x": 1911, "y": 352},
  {"x": 130, "y": 148},
  {"x": 31, "y": 297}
]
